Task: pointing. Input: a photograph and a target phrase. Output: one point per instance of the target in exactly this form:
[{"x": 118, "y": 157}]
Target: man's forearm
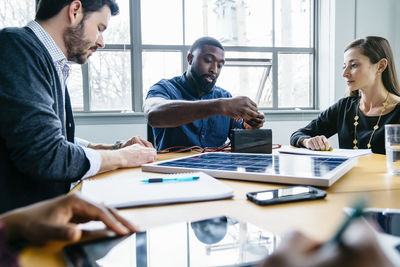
[
  {"x": 111, "y": 160},
  {"x": 178, "y": 113},
  {"x": 100, "y": 146},
  {"x": 128, "y": 157}
]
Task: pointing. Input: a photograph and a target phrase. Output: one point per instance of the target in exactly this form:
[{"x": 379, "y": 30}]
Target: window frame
[{"x": 136, "y": 48}]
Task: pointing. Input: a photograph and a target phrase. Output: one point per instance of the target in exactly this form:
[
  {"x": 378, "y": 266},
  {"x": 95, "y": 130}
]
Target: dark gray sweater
[{"x": 38, "y": 159}]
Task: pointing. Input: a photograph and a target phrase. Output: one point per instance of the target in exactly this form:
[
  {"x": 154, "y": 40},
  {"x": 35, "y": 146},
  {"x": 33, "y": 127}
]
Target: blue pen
[{"x": 163, "y": 180}]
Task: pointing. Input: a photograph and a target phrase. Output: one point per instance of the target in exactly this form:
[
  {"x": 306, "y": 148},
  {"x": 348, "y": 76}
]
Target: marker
[
  {"x": 163, "y": 180},
  {"x": 357, "y": 211}
]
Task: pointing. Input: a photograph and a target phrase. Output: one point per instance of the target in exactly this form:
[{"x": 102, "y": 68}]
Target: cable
[
  {"x": 178, "y": 149},
  {"x": 276, "y": 146}
]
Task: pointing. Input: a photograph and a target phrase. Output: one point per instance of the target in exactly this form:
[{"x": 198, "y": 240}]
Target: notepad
[
  {"x": 122, "y": 191},
  {"x": 336, "y": 152}
]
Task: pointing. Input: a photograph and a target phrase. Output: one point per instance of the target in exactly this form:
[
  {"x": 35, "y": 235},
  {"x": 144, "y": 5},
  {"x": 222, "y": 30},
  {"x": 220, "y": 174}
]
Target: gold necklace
[{"x": 384, "y": 104}]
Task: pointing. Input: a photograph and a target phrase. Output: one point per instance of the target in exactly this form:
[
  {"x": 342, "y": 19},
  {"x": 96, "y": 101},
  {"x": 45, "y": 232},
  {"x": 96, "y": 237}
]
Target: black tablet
[
  {"x": 387, "y": 220},
  {"x": 387, "y": 224},
  {"x": 219, "y": 241}
]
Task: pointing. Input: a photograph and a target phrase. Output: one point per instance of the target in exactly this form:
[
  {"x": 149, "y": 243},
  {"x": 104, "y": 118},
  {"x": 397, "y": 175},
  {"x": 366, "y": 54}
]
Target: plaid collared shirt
[{"x": 59, "y": 59}]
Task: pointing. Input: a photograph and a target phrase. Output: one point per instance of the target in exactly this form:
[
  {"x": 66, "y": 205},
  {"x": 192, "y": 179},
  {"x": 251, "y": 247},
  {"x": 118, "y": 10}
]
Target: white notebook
[{"x": 122, "y": 191}]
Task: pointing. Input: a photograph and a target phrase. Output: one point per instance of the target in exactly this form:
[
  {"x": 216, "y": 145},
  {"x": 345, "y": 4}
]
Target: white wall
[
  {"x": 357, "y": 19},
  {"x": 281, "y": 131},
  {"x": 111, "y": 132},
  {"x": 380, "y": 18},
  {"x": 342, "y": 21}
]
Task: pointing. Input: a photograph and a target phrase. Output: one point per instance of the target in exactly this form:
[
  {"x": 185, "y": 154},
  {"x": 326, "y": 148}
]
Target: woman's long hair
[{"x": 376, "y": 48}]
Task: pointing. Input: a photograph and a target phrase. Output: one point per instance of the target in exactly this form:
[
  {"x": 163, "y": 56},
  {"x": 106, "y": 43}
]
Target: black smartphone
[{"x": 286, "y": 194}]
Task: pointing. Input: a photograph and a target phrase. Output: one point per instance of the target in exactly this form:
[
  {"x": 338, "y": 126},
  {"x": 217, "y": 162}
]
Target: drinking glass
[{"x": 392, "y": 144}]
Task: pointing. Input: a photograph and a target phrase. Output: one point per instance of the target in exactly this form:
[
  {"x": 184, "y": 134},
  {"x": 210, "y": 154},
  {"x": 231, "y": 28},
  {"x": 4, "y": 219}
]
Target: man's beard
[
  {"x": 202, "y": 83},
  {"x": 77, "y": 47}
]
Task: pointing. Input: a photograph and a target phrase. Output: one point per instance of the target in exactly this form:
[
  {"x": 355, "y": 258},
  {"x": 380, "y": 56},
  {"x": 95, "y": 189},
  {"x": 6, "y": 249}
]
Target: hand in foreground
[
  {"x": 240, "y": 107},
  {"x": 254, "y": 123},
  {"x": 319, "y": 143},
  {"x": 57, "y": 219},
  {"x": 359, "y": 247},
  {"x": 136, "y": 155},
  {"x": 137, "y": 140}
]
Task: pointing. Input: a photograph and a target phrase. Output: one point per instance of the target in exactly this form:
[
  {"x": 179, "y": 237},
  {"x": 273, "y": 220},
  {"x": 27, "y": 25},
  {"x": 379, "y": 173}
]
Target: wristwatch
[{"x": 118, "y": 145}]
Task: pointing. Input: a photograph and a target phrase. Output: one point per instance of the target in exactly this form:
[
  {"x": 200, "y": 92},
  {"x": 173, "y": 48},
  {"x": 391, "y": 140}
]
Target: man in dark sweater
[{"x": 39, "y": 155}]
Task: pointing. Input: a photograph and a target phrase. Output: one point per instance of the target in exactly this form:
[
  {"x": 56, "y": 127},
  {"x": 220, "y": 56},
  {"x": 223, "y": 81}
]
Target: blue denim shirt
[{"x": 211, "y": 132}]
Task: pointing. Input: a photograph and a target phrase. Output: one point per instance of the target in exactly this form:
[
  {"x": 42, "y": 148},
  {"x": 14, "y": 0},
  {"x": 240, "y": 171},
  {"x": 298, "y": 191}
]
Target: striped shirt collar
[{"x": 55, "y": 52}]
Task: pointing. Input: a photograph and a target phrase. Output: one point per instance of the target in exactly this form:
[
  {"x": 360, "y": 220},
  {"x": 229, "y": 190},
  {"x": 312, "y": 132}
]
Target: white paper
[
  {"x": 336, "y": 152},
  {"x": 124, "y": 191}
]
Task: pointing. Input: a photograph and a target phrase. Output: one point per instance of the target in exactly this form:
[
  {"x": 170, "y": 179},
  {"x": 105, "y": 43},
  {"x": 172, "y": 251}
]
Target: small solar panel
[{"x": 279, "y": 168}]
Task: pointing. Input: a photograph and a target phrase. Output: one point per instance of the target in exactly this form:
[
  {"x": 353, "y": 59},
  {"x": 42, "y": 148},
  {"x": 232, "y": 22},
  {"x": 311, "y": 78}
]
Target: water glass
[{"x": 392, "y": 145}]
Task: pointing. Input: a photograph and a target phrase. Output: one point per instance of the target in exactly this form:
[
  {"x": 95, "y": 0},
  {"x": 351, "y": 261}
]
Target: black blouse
[{"x": 339, "y": 118}]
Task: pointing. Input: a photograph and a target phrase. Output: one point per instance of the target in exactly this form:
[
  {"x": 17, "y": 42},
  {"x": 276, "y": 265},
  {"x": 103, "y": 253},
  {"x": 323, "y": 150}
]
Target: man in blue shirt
[{"x": 189, "y": 110}]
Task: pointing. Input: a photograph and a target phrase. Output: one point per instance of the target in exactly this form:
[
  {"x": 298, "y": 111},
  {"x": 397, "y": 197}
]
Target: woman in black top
[{"x": 359, "y": 119}]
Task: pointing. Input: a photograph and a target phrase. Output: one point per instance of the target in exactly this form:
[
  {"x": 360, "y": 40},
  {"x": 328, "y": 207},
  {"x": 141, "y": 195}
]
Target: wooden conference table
[{"x": 317, "y": 218}]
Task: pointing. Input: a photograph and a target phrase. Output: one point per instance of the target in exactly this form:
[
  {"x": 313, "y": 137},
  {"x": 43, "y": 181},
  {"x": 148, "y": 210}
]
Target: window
[
  {"x": 269, "y": 50},
  {"x": 16, "y": 13},
  {"x": 105, "y": 83}
]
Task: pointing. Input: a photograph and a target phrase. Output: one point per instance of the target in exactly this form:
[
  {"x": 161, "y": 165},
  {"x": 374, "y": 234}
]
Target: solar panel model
[{"x": 273, "y": 168}]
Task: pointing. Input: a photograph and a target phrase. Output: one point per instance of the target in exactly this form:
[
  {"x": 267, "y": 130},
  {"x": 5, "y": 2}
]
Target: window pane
[
  {"x": 248, "y": 74},
  {"x": 16, "y": 13},
  {"x": 118, "y": 31},
  {"x": 160, "y": 65},
  {"x": 293, "y": 23},
  {"x": 294, "y": 78},
  {"x": 75, "y": 87},
  {"x": 235, "y": 22},
  {"x": 110, "y": 81},
  {"x": 161, "y": 22}
]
